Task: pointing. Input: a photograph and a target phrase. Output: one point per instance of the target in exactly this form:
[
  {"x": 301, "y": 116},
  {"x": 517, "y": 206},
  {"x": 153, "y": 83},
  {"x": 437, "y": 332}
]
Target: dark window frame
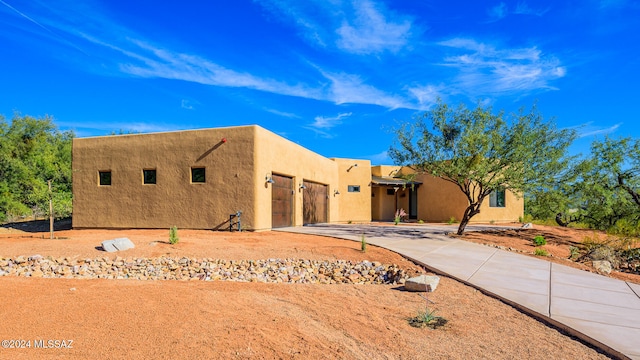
[
  {"x": 197, "y": 178},
  {"x": 353, "y": 188},
  {"x": 149, "y": 176},
  {"x": 498, "y": 199},
  {"x": 104, "y": 178}
]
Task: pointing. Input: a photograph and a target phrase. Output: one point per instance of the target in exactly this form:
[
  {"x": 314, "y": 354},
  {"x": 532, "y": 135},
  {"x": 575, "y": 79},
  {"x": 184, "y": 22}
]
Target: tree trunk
[
  {"x": 559, "y": 220},
  {"x": 469, "y": 212}
]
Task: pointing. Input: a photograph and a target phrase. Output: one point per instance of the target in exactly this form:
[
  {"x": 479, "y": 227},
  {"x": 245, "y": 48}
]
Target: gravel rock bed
[{"x": 167, "y": 268}]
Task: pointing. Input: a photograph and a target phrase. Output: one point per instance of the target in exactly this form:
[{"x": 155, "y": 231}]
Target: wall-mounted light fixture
[
  {"x": 336, "y": 193},
  {"x": 269, "y": 179},
  {"x": 303, "y": 186},
  {"x": 351, "y": 167}
]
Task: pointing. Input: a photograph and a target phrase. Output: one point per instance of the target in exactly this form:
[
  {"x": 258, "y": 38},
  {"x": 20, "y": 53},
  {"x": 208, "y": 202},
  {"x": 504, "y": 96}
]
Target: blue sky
[{"x": 334, "y": 76}]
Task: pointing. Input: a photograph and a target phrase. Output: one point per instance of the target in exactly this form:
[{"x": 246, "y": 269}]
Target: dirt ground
[
  {"x": 558, "y": 239},
  {"x": 120, "y": 319}
]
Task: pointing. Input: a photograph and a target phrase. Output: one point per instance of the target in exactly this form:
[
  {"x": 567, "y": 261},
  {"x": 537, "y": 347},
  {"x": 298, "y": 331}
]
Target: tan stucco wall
[
  {"x": 174, "y": 200},
  {"x": 277, "y": 155},
  {"x": 438, "y": 200},
  {"x": 385, "y": 170},
  {"x": 353, "y": 206},
  {"x": 513, "y": 210}
]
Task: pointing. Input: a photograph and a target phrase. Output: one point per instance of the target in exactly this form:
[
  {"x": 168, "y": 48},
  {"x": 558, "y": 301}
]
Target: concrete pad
[
  {"x": 596, "y": 312},
  {"x": 517, "y": 266},
  {"x": 416, "y": 247},
  {"x": 628, "y": 300},
  {"x": 516, "y": 278},
  {"x": 635, "y": 288},
  {"x": 532, "y": 301},
  {"x": 619, "y": 338},
  {"x": 382, "y": 242},
  {"x": 458, "y": 259},
  {"x": 564, "y": 275}
]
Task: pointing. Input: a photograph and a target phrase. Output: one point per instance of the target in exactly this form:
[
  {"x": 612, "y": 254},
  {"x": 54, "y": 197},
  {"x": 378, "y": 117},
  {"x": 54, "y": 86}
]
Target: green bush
[
  {"x": 363, "y": 243},
  {"x": 427, "y": 318},
  {"x": 452, "y": 220},
  {"x": 540, "y": 252},
  {"x": 173, "y": 236},
  {"x": 539, "y": 240},
  {"x": 574, "y": 252}
]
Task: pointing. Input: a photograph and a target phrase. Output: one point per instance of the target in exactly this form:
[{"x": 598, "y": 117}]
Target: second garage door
[{"x": 314, "y": 203}]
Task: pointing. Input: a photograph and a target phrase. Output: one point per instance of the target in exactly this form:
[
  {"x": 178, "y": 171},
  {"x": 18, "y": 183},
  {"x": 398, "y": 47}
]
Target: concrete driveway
[{"x": 602, "y": 311}]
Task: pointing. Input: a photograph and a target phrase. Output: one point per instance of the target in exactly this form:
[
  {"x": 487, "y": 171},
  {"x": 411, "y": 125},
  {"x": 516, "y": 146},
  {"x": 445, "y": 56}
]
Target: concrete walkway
[{"x": 598, "y": 309}]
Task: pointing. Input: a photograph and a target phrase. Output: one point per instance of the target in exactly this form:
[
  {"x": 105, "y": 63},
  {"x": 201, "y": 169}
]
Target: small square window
[
  {"x": 104, "y": 178},
  {"x": 149, "y": 176},
  {"x": 391, "y": 192},
  {"x": 497, "y": 198},
  {"x": 354, "y": 188},
  {"x": 198, "y": 175}
]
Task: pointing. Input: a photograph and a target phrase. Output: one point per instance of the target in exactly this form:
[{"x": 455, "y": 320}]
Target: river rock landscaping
[{"x": 169, "y": 268}]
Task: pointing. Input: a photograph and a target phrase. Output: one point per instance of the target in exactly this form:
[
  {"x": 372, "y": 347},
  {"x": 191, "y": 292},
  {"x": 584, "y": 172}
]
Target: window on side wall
[
  {"x": 354, "y": 188},
  {"x": 198, "y": 175},
  {"x": 496, "y": 198},
  {"x": 104, "y": 178},
  {"x": 149, "y": 176},
  {"x": 391, "y": 192}
]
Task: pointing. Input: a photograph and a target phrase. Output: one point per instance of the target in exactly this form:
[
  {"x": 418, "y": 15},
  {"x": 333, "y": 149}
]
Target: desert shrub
[
  {"x": 527, "y": 218},
  {"x": 420, "y": 221},
  {"x": 539, "y": 240},
  {"x": 540, "y": 252},
  {"x": 625, "y": 234},
  {"x": 363, "y": 243},
  {"x": 427, "y": 318},
  {"x": 574, "y": 252},
  {"x": 631, "y": 254},
  {"x": 173, "y": 235},
  {"x": 594, "y": 241},
  {"x": 452, "y": 220}
]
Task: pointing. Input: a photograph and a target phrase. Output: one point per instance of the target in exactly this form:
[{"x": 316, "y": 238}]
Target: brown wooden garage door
[
  {"x": 314, "y": 203},
  {"x": 281, "y": 201}
]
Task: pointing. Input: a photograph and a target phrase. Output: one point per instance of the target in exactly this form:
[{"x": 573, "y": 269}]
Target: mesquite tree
[{"x": 482, "y": 152}]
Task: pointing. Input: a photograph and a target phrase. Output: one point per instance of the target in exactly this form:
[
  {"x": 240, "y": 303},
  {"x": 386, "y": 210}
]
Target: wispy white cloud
[
  {"x": 380, "y": 158},
  {"x": 282, "y": 113},
  {"x": 322, "y": 125},
  {"x": 350, "y": 88},
  {"x": 427, "y": 95},
  {"x": 161, "y": 63},
  {"x": 308, "y": 17},
  {"x": 323, "y": 122},
  {"x": 358, "y": 27},
  {"x": 484, "y": 69},
  {"x": 498, "y": 12},
  {"x": 186, "y": 104},
  {"x": 501, "y": 11},
  {"x": 522, "y": 8},
  {"x": 589, "y": 129},
  {"x": 371, "y": 32},
  {"x": 90, "y": 127}
]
